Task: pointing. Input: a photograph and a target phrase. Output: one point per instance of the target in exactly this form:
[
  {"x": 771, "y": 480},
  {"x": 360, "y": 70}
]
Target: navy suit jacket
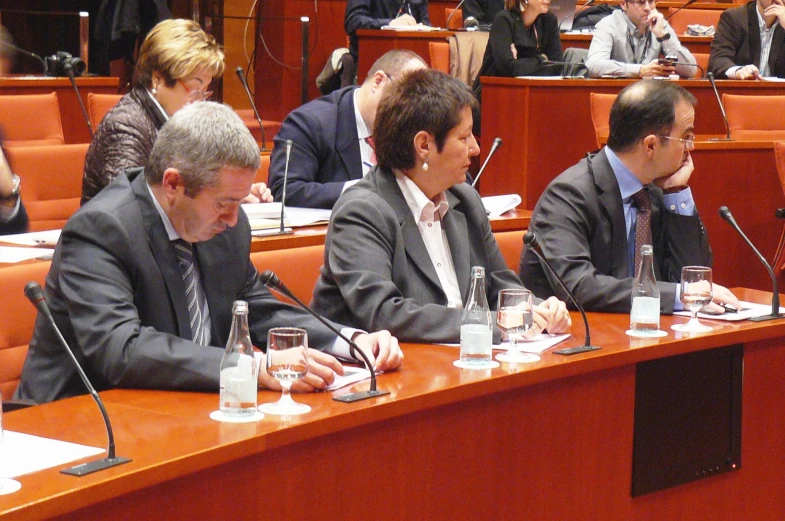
[{"x": 325, "y": 155}]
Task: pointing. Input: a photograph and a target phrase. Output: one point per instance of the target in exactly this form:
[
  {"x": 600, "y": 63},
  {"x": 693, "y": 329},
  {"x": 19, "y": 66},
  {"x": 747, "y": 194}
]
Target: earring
[
  {"x": 154, "y": 90},
  {"x": 425, "y": 166}
]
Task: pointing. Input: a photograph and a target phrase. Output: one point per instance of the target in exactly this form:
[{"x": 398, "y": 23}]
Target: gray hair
[{"x": 200, "y": 140}]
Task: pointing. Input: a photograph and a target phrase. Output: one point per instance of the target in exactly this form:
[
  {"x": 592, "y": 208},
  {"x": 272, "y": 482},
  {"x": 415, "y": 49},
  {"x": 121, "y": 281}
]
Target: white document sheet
[
  {"x": 537, "y": 344},
  {"x": 45, "y": 238},
  {"x": 13, "y": 254},
  {"x": 748, "y": 310},
  {"x": 495, "y": 205},
  {"x": 351, "y": 375},
  {"x": 22, "y": 453}
]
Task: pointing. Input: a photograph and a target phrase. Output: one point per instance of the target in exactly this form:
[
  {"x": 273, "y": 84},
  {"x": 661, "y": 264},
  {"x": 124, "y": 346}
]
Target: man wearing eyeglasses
[
  {"x": 635, "y": 42},
  {"x": 635, "y": 189}
]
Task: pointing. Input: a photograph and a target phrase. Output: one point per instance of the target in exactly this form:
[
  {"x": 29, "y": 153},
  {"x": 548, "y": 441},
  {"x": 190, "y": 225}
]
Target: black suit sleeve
[{"x": 728, "y": 41}]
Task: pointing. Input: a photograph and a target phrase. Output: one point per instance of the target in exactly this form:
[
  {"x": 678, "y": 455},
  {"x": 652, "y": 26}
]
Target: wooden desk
[
  {"x": 547, "y": 441},
  {"x": 699, "y": 44},
  {"x": 74, "y": 126},
  {"x": 548, "y": 123},
  {"x": 373, "y": 43}
]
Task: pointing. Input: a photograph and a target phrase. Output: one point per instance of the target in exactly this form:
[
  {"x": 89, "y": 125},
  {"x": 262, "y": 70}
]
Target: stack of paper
[
  {"x": 263, "y": 216},
  {"x": 495, "y": 205}
]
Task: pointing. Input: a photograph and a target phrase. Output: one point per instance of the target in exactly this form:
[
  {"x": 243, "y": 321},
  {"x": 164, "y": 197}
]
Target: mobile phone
[{"x": 668, "y": 61}]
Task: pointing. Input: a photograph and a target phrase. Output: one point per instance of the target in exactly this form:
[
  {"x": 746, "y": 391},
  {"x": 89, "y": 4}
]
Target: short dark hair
[
  {"x": 424, "y": 99},
  {"x": 392, "y": 62},
  {"x": 643, "y": 108}
]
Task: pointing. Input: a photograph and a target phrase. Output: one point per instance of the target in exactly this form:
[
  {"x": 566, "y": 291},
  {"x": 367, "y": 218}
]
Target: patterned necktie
[
  {"x": 371, "y": 144},
  {"x": 193, "y": 290},
  {"x": 643, "y": 224}
]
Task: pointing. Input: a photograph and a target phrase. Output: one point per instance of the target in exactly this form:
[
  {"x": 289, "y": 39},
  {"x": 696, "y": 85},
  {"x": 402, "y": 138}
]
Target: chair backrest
[
  {"x": 270, "y": 127},
  {"x": 754, "y": 113},
  {"x": 511, "y": 245},
  {"x": 600, "y": 115},
  {"x": 31, "y": 120},
  {"x": 264, "y": 169},
  {"x": 685, "y": 17},
  {"x": 99, "y": 104},
  {"x": 456, "y": 22},
  {"x": 51, "y": 182},
  {"x": 298, "y": 268},
  {"x": 17, "y": 317},
  {"x": 440, "y": 56},
  {"x": 702, "y": 59}
]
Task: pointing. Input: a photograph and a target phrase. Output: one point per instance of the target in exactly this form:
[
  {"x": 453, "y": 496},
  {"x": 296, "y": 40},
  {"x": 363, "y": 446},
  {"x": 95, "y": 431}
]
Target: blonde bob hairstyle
[{"x": 174, "y": 49}]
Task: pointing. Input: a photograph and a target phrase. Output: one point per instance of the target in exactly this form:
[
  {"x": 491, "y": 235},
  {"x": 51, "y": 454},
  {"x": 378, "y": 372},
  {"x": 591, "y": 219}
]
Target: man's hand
[
  {"x": 405, "y": 20},
  {"x": 381, "y": 348},
  {"x": 720, "y": 295},
  {"x": 748, "y": 72},
  {"x": 656, "y": 21},
  {"x": 653, "y": 68},
  {"x": 259, "y": 194},
  {"x": 776, "y": 9},
  {"x": 322, "y": 369},
  {"x": 680, "y": 177},
  {"x": 552, "y": 315}
]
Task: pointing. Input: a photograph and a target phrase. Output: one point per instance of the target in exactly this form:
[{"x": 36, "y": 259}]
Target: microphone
[
  {"x": 282, "y": 230},
  {"x": 530, "y": 240},
  {"x": 35, "y": 295},
  {"x": 272, "y": 281},
  {"x": 239, "y": 71},
  {"x": 575, "y": 9},
  {"x": 471, "y": 24},
  {"x": 710, "y": 75},
  {"x": 447, "y": 23},
  {"x": 775, "y": 298},
  {"x": 497, "y": 142},
  {"x": 26, "y": 53},
  {"x": 689, "y": 2},
  {"x": 68, "y": 68}
]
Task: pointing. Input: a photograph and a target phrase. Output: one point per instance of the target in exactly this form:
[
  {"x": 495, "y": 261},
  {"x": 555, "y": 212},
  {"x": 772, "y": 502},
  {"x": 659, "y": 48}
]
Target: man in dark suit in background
[
  {"x": 482, "y": 10},
  {"x": 587, "y": 219},
  {"x": 750, "y": 42},
  {"x": 144, "y": 276},
  {"x": 331, "y": 143},
  {"x": 375, "y": 14}
]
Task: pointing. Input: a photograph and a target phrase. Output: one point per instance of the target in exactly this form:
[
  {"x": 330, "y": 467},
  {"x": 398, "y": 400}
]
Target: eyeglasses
[
  {"x": 688, "y": 141},
  {"x": 195, "y": 94},
  {"x": 641, "y": 3}
]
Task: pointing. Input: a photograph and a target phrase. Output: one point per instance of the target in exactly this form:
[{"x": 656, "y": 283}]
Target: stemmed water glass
[
  {"x": 7, "y": 485},
  {"x": 287, "y": 362},
  {"x": 515, "y": 317},
  {"x": 696, "y": 292}
]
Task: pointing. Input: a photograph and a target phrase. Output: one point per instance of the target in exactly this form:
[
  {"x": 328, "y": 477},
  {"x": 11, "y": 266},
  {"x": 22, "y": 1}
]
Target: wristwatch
[
  {"x": 664, "y": 38},
  {"x": 15, "y": 188}
]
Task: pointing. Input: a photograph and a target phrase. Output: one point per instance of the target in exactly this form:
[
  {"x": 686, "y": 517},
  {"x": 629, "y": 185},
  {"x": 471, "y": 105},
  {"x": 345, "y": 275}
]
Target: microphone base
[
  {"x": 362, "y": 395},
  {"x": 576, "y": 350},
  {"x": 94, "y": 466},
  {"x": 764, "y": 318},
  {"x": 270, "y": 232}
]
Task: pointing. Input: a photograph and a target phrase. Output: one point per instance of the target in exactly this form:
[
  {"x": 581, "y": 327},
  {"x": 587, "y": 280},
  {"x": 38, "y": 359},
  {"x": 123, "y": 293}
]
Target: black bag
[{"x": 588, "y": 18}]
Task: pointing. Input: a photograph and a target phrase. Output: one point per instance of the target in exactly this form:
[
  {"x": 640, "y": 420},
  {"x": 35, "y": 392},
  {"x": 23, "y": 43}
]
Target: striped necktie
[{"x": 194, "y": 293}]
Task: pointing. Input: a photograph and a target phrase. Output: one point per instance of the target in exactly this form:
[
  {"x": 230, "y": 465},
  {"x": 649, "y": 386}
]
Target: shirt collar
[
  {"x": 362, "y": 128},
  {"x": 418, "y": 202},
  {"x": 628, "y": 183},
  {"x": 170, "y": 231}
]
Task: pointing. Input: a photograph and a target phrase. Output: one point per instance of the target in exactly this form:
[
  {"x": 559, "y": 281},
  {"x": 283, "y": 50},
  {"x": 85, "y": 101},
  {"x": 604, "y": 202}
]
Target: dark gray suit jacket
[
  {"x": 377, "y": 272},
  {"x": 117, "y": 295},
  {"x": 737, "y": 42},
  {"x": 579, "y": 223},
  {"x": 326, "y": 151}
]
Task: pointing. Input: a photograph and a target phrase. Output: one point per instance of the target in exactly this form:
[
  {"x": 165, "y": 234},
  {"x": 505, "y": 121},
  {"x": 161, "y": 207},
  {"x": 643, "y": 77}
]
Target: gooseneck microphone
[
  {"x": 239, "y": 71},
  {"x": 35, "y": 295},
  {"x": 710, "y": 75},
  {"x": 447, "y": 23},
  {"x": 496, "y": 144},
  {"x": 44, "y": 68},
  {"x": 68, "y": 68},
  {"x": 685, "y": 4},
  {"x": 272, "y": 281},
  {"x": 530, "y": 240},
  {"x": 282, "y": 230},
  {"x": 775, "y": 298}
]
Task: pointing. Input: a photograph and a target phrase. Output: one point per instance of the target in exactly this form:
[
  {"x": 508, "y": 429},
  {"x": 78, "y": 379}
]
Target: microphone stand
[
  {"x": 496, "y": 144},
  {"x": 727, "y": 137},
  {"x": 282, "y": 230},
  {"x": 69, "y": 71},
  {"x": 239, "y": 71},
  {"x": 271, "y": 280},
  {"x": 447, "y": 23}
]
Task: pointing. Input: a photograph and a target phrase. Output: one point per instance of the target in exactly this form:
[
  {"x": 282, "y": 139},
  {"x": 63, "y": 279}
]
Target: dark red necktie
[
  {"x": 642, "y": 225},
  {"x": 371, "y": 144}
]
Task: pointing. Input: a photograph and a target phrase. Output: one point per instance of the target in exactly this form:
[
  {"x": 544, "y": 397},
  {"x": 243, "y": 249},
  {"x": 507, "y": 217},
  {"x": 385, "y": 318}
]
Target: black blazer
[
  {"x": 483, "y": 10},
  {"x": 737, "y": 42}
]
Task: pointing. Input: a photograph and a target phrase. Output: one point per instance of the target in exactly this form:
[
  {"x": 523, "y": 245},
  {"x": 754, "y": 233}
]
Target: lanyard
[{"x": 646, "y": 45}]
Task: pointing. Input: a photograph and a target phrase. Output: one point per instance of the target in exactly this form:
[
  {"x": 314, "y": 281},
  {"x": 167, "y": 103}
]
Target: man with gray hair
[{"x": 144, "y": 276}]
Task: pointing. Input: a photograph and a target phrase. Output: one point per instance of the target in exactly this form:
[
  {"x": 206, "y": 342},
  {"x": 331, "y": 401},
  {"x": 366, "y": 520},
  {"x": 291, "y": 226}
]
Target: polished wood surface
[
  {"x": 549, "y": 124},
  {"x": 549, "y": 440},
  {"x": 373, "y": 43},
  {"x": 74, "y": 126}
]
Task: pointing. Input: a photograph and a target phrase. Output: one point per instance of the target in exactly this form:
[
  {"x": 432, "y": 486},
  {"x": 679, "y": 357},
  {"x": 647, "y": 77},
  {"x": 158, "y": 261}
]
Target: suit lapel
[
  {"x": 454, "y": 224},
  {"x": 412, "y": 240},
  {"x": 754, "y": 32},
  {"x": 164, "y": 255},
  {"x": 347, "y": 142},
  {"x": 610, "y": 201}
]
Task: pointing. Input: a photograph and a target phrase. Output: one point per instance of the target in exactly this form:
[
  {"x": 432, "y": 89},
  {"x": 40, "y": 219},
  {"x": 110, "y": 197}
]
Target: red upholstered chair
[
  {"x": 51, "y": 182},
  {"x": 457, "y": 20},
  {"x": 17, "y": 317},
  {"x": 702, "y": 59},
  {"x": 755, "y": 117},
  {"x": 685, "y": 17},
  {"x": 600, "y": 114},
  {"x": 99, "y": 104},
  {"x": 298, "y": 268},
  {"x": 439, "y": 53},
  {"x": 511, "y": 245},
  {"x": 31, "y": 120},
  {"x": 270, "y": 127},
  {"x": 264, "y": 169}
]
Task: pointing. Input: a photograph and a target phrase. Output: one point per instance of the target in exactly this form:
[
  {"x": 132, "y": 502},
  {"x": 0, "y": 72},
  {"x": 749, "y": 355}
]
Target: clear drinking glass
[
  {"x": 696, "y": 292},
  {"x": 515, "y": 317},
  {"x": 287, "y": 362},
  {"x": 7, "y": 485}
]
